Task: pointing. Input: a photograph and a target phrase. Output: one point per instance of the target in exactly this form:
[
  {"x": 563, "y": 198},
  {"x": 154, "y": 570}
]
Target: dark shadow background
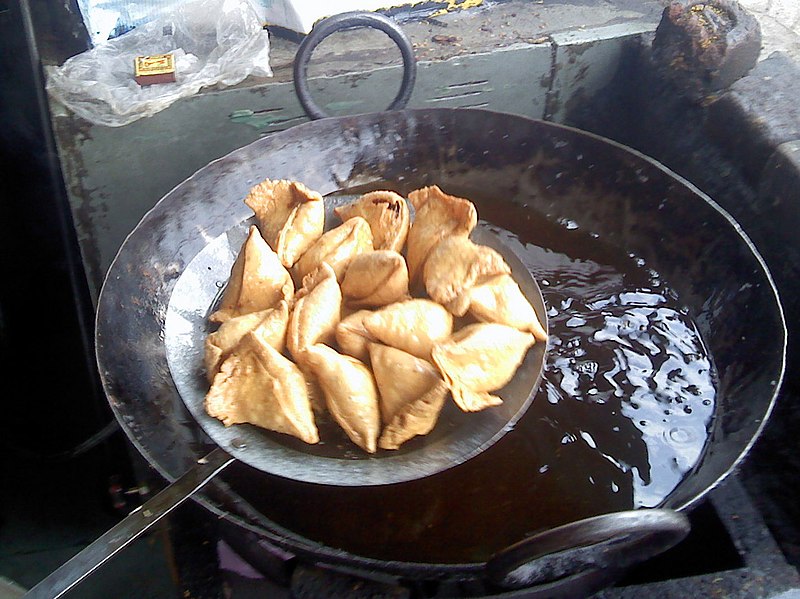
[{"x": 51, "y": 399}]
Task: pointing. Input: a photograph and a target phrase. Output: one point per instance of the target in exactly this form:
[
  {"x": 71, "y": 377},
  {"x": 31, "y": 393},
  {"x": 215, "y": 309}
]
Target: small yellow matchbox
[{"x": 158, "y": 68}]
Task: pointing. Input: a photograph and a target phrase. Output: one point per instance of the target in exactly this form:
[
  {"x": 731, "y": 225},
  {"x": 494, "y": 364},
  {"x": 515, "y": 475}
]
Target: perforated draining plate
[{"x": 456, "y": 438}]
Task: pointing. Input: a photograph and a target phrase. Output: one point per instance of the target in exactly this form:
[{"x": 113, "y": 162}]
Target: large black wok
[{"x": 561, "y": 175}]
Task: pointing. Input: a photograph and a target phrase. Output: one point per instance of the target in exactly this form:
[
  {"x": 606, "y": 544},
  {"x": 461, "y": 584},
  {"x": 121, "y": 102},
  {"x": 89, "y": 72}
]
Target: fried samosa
[
  {"x": 478, "y": 359},
  {"x": 454, "y": 266},
  {"x": 316, "y": 312},
  {"x": 290, "y": 216},
  {"x": 411, "y": 394},
  {"x": 351, "y": 336},
  {"x": 256, "y": 384},
  {"x": 337, "y": 247},
  {"x": 387, "y": 214},
  {"x": 258, "y": 280},
  {"x": 437, "y": 216},
  {"x": 375, "y": 279},
  {"x": 415, "y": 418},
  {"x": 499, "y": 299},
  {"x": 412, "y": 325},
  {"x": 269, "y": 325},
  {"x": 401, "y": 378},
  {"x": 350, "y": 394}
]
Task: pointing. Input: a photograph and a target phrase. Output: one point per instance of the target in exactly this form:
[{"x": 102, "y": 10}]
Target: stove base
[{"x": 730, "y": 553}]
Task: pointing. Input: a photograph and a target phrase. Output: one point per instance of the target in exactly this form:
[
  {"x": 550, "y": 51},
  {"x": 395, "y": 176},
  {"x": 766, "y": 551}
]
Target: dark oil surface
[{"x": 620, "y": 418}]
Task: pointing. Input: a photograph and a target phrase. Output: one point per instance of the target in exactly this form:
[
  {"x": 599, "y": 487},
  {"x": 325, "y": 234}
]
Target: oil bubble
[{"x": 679, "y": 436}]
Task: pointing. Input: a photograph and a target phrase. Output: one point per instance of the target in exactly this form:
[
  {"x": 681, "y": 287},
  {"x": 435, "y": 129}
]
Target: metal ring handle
[
  {"x": 351, "y": 20},
  {"x": 616, "y": 541}
]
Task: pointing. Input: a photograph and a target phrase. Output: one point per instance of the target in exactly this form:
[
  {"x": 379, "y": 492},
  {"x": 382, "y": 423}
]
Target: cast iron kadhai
[
  {"x": 629, "y": 200},
  {"x": 575, "y": 553},
  {"x": 625, "y": 196}
]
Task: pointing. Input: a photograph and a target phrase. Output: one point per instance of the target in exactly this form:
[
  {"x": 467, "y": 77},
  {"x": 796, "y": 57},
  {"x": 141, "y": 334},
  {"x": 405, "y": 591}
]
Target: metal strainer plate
[{"x": 456, "y": 438}]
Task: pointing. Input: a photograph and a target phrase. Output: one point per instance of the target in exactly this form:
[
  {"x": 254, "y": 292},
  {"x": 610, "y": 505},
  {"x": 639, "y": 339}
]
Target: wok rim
[{"x": 298, "y": 544}]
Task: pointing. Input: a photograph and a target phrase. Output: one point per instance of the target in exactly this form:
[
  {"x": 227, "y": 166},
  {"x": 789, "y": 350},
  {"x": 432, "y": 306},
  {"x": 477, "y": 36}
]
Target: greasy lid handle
[
  {"x": 615, "y": 541},
  {"x": 351, "y": 20}
]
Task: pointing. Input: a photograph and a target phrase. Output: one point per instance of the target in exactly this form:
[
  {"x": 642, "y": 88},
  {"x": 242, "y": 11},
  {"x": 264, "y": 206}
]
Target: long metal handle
[{"x": 130, "y": 528}]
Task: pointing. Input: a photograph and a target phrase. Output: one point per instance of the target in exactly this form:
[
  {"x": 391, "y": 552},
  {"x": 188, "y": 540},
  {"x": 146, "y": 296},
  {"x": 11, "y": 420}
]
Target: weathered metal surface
[
  {"x": 586, "y": 61},
  {"x": 513, "y": 80}
]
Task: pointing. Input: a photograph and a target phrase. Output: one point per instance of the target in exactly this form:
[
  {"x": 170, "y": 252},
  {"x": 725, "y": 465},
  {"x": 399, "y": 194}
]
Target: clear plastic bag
[{"x": 213, "y": 42}]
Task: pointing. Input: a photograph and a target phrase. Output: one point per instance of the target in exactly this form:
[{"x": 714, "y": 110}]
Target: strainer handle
[{"x": 130, "y": 528}]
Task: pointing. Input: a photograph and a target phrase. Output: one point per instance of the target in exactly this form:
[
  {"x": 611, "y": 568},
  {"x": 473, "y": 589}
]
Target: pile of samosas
[{"x": 389, "y": 317}]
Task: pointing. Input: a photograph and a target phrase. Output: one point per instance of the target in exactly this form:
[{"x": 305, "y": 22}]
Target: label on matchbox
[{"x": 158, "y": 68}]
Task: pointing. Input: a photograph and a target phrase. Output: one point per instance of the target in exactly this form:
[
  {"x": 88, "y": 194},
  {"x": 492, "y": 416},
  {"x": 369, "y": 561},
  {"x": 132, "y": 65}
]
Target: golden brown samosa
[
  {"x": 258, "y": 280},
  {"x": 478, "y": 359},
  {"x": 415, "y": 418},
  {"x": 290, "y": 216},
  {"x": 499, "y": 299},
  {"x": 375, "y": 279},
  {"x": 454, "y": 266},
  {"x": 412, "y": 325},
  {"x": 437, "y": 216},
  {"x": 350, "y": 394},
  {"x": 316, "y": 312},
  {"x": 272, "y": 330},
  {"x": 412, "y": 394},
  {"x": 269, "y": 325},
  {"x": 256, "y": 384},
  {"x": 401, "y": 378},
  {"x": 387, "y": 214},
  {"x": 337, "y": 247},
  {"x": 351, "y": 336}
]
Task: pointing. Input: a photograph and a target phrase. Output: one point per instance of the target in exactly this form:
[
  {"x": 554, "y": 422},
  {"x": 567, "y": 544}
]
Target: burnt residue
[
  {"x": 552, "y": 103},
  {"x": 705, "y": 46}
]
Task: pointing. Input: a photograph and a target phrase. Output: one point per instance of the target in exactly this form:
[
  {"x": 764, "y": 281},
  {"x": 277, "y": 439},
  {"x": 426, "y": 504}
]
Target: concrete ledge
[
  {"x": 780, "y": 180},
  {"x": 758, "y": 113},
  {"x": 779, "y": 198}
]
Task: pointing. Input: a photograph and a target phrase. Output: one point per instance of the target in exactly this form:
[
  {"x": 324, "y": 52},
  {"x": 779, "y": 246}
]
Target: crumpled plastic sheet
[{"x": 213, "y": 42}]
